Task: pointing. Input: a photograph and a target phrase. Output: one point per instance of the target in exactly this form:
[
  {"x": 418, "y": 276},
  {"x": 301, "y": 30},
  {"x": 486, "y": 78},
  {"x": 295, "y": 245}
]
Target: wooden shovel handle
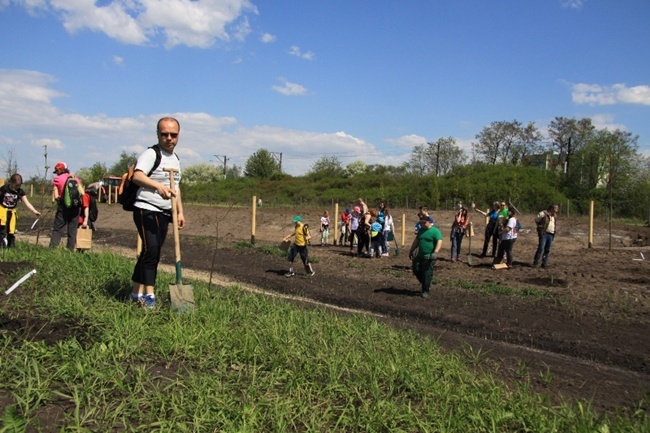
[{"x": 172, "y": 185}]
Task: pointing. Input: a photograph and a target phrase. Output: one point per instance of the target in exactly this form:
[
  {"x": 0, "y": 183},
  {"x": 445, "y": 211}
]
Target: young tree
[
  {"x": 10, "y": 163},
  {"x": 261, "y": 164}
]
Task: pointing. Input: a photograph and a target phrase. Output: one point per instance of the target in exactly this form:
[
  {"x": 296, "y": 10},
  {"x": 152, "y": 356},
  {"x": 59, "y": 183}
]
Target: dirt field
[{"x": 585, "y": 334}]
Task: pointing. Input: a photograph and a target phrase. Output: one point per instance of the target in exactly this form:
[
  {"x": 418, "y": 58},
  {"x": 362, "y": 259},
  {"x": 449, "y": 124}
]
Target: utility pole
[
  {"x": 279, "y": 159},
  {"x": 568, "y": 154},
  {"x": 224, "y": 160}
]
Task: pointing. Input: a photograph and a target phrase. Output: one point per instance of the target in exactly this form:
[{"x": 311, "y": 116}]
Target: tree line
[{"x": 574, "y": 163}]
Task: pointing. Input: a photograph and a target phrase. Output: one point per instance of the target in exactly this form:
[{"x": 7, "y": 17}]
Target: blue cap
[{"x": 297, "y": 218}]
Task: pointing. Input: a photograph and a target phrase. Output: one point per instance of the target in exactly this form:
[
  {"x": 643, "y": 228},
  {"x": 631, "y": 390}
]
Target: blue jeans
[
  {"x": 544, "y": 247},
  {"x": 456, "y": 241}
]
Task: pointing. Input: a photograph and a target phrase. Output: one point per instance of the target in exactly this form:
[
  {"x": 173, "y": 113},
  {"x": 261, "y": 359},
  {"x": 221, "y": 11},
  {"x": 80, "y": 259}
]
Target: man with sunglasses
[{"x": 153, "y": 209}]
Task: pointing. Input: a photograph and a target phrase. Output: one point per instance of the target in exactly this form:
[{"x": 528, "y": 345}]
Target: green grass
[
  {"x": 492, "y": 287},
  {"x": 243, "y": 363}
]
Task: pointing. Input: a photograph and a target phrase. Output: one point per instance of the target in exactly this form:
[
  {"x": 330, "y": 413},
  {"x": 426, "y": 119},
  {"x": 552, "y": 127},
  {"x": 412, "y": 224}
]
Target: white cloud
[
  {"x": 30, "y": 119},
  {"x": 606, "y": 121},
  {"x": 52, "y": 144},
  {"x": 268, "y": 38},
  {"x": 290, "y": 89},
  {"x": 408, "y": 141},
  {"x": 572, "y": 4},
  {"x": 113, "y": 20},
  {"x": 295, "y": 51},
  {"x": 595, "y": 94},
  {"x": 118, "y": 60},
  {"x": 198, "y": 23}
]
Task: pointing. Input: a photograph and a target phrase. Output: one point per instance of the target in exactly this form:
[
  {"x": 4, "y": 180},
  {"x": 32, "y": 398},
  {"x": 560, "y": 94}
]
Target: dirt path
[{"x": 578, "y": 329}]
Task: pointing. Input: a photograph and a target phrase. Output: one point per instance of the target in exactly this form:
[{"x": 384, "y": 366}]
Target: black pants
[
  {"x": 423, "y": 270},
  {"x": 491, "y": 234},
  {"x": 363, "y": 242},
  {"x": 152, "y": 228},
  {"x": 65, "y": 222},
  {"x": 7, "y": 229},
  {"x": 505, "y": 247}
]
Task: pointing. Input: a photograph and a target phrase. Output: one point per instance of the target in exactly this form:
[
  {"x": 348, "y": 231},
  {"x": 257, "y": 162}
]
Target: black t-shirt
[{"x": 9, "y": 197}]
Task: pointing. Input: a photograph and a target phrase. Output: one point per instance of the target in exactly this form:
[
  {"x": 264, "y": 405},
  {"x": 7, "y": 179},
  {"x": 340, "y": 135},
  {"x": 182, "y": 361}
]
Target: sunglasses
[{"x": 165, "y": 134}]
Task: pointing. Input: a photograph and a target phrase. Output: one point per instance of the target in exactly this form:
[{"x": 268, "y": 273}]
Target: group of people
[
  {"x": 67, "y": 219},
  {"x": 368, "y": 230}
]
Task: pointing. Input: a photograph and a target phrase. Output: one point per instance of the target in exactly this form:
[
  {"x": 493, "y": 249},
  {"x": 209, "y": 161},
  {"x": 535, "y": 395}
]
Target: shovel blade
[{"x": 182, "y": 297}]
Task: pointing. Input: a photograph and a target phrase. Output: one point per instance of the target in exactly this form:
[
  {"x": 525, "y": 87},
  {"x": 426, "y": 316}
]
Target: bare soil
[{"x": 577, "y": 330}]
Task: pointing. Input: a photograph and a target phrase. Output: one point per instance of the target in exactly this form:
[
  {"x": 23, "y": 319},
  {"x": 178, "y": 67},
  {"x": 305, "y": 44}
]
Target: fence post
[
  {"x": 591, "y": 224},
  {"x": 253, "y": 218},
  {"x": 336, "y": 222}
]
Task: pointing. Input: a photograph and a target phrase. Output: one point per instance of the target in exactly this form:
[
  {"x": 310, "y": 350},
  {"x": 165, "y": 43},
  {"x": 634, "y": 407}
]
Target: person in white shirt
[{"x": 153, "y": 208}]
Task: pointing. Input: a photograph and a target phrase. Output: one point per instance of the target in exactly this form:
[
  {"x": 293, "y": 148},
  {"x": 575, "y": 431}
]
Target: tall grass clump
[{"x": 239, "y": 362}]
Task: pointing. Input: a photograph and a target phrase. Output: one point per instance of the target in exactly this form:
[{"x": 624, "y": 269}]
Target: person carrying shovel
[{"x": 153, "y": 208}]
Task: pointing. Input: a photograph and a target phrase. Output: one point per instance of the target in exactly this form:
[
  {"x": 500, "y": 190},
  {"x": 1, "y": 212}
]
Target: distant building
[{"x": 546, "y": 161}]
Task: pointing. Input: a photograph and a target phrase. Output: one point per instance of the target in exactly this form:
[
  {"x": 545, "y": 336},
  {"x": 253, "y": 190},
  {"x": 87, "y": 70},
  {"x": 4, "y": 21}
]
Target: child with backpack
[
  {"x": 10, "y": 195},
  {"x": 67, "y": 192},
  {"x": 88, "y": 211}
]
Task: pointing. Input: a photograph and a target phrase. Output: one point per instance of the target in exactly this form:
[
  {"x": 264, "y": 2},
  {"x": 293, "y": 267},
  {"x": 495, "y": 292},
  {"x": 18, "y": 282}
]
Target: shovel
[
  {"x": 391, "y": 237},
  {"x": 471, "y": 235},
  {"x": 181, "y": 295}
]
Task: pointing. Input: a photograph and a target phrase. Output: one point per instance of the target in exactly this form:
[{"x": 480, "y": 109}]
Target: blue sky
[{"x": 360, "y": 80}]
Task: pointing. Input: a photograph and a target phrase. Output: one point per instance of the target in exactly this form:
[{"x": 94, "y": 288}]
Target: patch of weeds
[
  {"x": 546, "y": 376},
  {"x": 203, "y": 240},
  {"x": 392, "y": 272},
  {"x": 495, "y": 288},
  {"x": 314, "y": 259},
  {"x": 355, "y": 264},
  {"x": 271, "y": 250},
  {"x": 242, "y": 245}
]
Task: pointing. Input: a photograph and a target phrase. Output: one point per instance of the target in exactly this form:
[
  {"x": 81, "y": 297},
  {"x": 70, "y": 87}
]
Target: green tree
[
  {"x": 438, "y": 157},
  {"x": 233, "y": 172},
  {"x": 354, "y": 168},
  {"x": 122, "y": 166},
  {"x": 568, "y": 136},
  {"x": 326, "y": 166},
  {"x": 262, "y": 164},
  {"x": 97, "y": 172},
  {"x": 506, "y": 142},
  {"x": 202, "y": 173}
]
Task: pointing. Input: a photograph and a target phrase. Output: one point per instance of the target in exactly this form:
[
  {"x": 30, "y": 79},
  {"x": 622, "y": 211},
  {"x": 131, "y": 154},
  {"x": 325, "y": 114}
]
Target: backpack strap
[{"x": 156, "y": 163}]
